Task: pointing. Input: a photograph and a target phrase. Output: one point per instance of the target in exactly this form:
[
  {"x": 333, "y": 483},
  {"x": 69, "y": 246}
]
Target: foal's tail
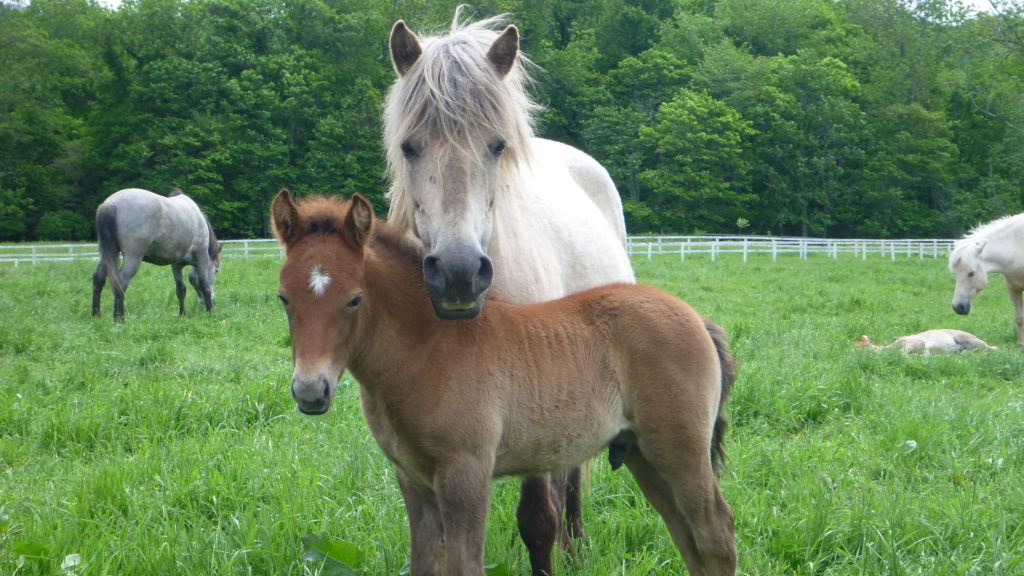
[
  {"x": 728, "y": 363},
  {"x": 106, "y": 230}
]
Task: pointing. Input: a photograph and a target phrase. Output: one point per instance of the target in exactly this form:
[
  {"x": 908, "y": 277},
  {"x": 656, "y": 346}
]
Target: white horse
[
  {"x": 493, "y": 204},
  {"x": 994, "y": 247},
  {"x": 939, "y": 341}
]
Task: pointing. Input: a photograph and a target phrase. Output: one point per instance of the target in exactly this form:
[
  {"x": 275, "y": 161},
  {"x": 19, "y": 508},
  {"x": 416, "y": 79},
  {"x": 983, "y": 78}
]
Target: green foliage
[
  {"x": 63, "y": 225},
  {"x": 869, "y": 117},
  {"x": 702, "y": 169}
]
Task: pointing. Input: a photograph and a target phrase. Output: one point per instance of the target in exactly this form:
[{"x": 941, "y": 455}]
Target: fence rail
[
  {"x": 715, "y": 246},
  {"x": 650, "y": 246}
]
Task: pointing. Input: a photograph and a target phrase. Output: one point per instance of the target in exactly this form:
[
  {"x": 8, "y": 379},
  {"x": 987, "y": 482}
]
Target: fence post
[{"x": 744, "y": 250}]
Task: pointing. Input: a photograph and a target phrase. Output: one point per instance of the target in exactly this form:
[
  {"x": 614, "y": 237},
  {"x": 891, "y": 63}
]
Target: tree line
[{"x": 842, "y": 118}]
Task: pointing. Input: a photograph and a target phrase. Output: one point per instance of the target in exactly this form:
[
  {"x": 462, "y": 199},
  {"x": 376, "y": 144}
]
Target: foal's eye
[
  {"x": 497, "y": 148},
  {"x": 408, "y": 150},
  {"x": 282, "y": 299},
  {"x": 354, "y": 302}
]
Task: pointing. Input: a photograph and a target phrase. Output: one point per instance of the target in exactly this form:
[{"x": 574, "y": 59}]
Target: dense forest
[{"x": 842, "y": 118}]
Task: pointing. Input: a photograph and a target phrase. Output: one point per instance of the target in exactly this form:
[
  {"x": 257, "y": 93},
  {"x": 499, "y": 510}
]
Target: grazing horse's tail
[
  {"x": 728, "y": 363},
  {"x": 106, "y": 230}
]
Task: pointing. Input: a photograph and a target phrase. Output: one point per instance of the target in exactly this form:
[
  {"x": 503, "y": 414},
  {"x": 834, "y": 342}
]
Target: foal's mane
[
  {"x": 323, "y": 216},
  {"x": 454, "y": 92}
]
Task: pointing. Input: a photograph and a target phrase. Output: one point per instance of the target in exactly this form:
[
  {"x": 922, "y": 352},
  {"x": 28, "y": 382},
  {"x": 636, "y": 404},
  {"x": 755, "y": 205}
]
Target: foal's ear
[
  {"x": 504, "y": 51},
  {"x": 284, "y": 216},
  {"x": 405, "y": 48},
  {"x": 358, "y": 221}
]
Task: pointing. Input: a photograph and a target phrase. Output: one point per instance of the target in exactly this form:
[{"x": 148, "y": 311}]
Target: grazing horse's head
[
  {"x": 321, "y": 286},
  {"x": 971, "y": 277},
  {"x": 457, "y": 121}
]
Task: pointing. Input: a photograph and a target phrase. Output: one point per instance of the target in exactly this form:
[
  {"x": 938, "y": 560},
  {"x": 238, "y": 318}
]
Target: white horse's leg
[
  {"x": 179, "y": 287},
  {"x": 1018, "y": 311},
  {"x": 425, "y": 527},
  {"x": 463, "y": 487},
  {"x": 538, "y": 517},
  {"x": 125, "y": 275}
]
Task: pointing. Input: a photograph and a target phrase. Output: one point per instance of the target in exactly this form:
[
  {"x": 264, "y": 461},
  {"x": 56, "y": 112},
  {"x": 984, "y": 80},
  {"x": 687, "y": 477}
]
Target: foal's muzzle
[
  {"x": 457, "y": 284},
  {"x": 312, "y": 397}
]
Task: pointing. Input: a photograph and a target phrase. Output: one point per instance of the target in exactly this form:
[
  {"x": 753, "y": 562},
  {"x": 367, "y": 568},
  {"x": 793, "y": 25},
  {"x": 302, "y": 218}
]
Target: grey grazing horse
[{"x": 166, "y": 231}]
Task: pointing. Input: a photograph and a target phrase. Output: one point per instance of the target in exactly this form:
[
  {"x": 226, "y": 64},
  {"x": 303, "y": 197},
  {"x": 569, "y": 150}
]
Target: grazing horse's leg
[
  {"x": 1018, "y": 311},
  {"x": 463, "y": 487},
  {"x": 99, "y": 279},
  {"x": 686, "y": 495},
  {"x": 124, "y": 277},
  {"x": 203, "y": 283},
  {"x": 425, "y": 527},
  {"x": 179, "y": 287},
  {"x": 538, "y": 522}
]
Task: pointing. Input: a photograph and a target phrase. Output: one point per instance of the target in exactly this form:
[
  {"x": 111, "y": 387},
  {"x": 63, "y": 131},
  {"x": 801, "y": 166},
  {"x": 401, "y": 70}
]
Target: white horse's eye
[
  {"x": 970, "y": 274},
  {"x": 408, "y": 150},
  {"x": 497, "y": 148}
]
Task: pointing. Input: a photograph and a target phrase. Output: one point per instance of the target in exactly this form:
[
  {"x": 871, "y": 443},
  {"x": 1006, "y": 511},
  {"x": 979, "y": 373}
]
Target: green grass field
[{"x": 171, "y": 446}]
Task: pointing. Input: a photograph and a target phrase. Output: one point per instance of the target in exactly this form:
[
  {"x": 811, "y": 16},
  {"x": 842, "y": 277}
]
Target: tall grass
[{"x": 170, "y": 445}]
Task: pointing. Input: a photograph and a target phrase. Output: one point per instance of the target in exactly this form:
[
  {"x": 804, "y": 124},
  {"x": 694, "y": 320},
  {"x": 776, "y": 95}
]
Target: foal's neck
[{"x": 397, "y": 315}]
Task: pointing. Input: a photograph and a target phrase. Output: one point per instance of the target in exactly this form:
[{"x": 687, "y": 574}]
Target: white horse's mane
[
  {"x": 455, "y": 94},
  {"x": 980, "y": 234},
  {"x": 988, "y": 229}
]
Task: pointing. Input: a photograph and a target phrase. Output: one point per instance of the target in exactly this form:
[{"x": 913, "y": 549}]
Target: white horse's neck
[{"x": 551, "y": 235}]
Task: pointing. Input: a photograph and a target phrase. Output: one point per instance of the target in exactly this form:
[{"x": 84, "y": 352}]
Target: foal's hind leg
[
  {"x": 179, "y": 287},
  {"x": 688, "y": 499},
  {"x": 99, "y": 279}
]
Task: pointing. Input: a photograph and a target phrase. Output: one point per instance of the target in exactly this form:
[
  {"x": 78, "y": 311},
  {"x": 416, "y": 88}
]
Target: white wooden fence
[
  {"x": 650, "y": 246},
  {"x": 714, "y": 246}
]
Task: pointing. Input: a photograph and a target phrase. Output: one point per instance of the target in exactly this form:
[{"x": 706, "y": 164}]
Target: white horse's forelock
[{"x": 454, "y": 94}]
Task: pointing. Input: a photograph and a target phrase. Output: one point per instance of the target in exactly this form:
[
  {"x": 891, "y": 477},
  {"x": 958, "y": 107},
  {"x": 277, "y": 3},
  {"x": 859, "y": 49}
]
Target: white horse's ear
[
  {"x": 284, "y": 216},
  {"x": 359, "y": 221},
  {"x": 405, "y": 48},
  {"x": 979, "y": 246},
  {"x": 504, "y": 51}
]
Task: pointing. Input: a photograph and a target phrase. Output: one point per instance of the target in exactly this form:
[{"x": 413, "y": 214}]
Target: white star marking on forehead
[{"x": 319, "y": 281}]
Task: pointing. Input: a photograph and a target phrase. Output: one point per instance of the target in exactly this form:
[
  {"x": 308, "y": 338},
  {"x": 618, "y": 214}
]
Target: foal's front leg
[
  {"x": 463, "y": 488},
  {"x": 425, "y": 526}
]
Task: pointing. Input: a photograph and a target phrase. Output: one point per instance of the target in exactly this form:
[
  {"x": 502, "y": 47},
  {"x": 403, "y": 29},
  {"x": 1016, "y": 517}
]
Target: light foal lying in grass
[
  {"x": 940, "y": 341},
  {"x": 518, "y": 390}
]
